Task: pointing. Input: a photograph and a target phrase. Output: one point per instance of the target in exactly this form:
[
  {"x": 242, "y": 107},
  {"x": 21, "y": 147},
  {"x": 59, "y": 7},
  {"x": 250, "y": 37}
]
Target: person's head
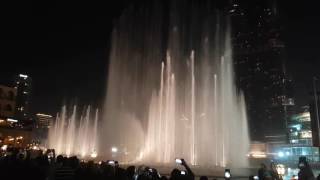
[
  {"x": 273, "y": 166},
  {"x": 203, "y": 178},
  {"x": 121, "y": 174},
  {"x": 108, "y": 170},
  {"x": 263, "y": 166},
  {"x": 20, "y": 156},
  {"x": 60, "y": 159},
  {"x": 130, "y": 171},
  {"x": 303, "y": 163},
  {"x": 65, "y": 161},
  {"x": 164, "y": 178},
  {"x": 154, "y": 173},
  {"x": 175, "y": 173},
  {"x": 74, "y": 162},
  {"x": 302, "y": 159},
  {"x": 90, "y": 164}
]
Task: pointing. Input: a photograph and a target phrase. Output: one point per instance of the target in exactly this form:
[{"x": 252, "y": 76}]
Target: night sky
[
  {"x": 302, "y": 40},
  {"x": 64, "y": 46}
]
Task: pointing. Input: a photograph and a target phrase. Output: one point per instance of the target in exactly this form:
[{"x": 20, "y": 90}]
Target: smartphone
[
  {"x": 182, "y": 172},
  {"x": 227, "y": 174},
  {"x": 301, "y": 165},
  {"x": 111, "y": 162},
  {"x": 179, "y": 161},
  {"x": 50, "y": 154}
]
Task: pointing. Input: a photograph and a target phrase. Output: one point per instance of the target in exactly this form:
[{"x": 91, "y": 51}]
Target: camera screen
[
  {"x": 227, "y": 175},
  {"x": 111, "y": 162},
  {"x": 178, "y": 161}
]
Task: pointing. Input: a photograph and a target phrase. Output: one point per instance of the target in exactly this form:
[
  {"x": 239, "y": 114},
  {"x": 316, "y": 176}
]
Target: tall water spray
[
  {"x": 74, "y": 135},
  {"x": 171, "y": 89}
]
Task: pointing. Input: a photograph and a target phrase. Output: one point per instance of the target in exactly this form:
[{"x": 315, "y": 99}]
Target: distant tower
[
  {"x": 259, "y": 55},
  {"x": 43, "y": 120},
  {"x": 7, "y": 101},
  {"x": 23, "y": 84}
]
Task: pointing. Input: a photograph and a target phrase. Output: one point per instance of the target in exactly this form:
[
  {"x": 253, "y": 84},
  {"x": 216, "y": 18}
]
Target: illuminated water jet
[
  {"x": 72, "y": 135},
  {"x": 174, "y": 96}
]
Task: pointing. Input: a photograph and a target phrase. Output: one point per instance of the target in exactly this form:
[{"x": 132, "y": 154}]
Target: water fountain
[
  {"x": 69, "y": 136},
  {"x": 171, "y": 89}
]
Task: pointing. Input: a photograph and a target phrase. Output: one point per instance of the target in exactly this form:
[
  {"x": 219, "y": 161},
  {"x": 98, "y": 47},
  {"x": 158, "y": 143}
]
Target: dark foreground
[{"x": 45, "y": 166}]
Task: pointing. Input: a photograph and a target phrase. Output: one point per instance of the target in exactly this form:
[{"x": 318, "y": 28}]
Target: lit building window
[
  {"x": 306, "y": 134},
  {"x": 23, "y": 76}
]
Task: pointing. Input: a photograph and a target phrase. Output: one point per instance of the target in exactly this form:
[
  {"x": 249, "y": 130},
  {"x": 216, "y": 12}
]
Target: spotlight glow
[
  {"x": 4, "y": 147},
  {"x": 93, "y": 154},
  {"x": 114, "y": 149},
  {"x": 280, "y": 154}
]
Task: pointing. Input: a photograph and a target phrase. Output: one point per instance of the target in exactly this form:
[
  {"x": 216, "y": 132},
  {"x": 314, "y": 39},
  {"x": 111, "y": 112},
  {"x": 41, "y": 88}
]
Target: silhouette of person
[
  {"x": 305, "y": 172},
  {"x": 274, "y": 172}
]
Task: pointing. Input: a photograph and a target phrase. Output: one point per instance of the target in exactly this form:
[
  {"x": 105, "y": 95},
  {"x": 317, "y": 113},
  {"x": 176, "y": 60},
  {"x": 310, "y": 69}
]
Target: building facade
[
  {"x": 315, "y": 113},
  {"x": 300, "y": 141},
  {"x": 43, "y": 121},
  {"x": 7, "y": 101},
  {"x": 260, "y": 65},
  {"x": 23, "y": 84}
]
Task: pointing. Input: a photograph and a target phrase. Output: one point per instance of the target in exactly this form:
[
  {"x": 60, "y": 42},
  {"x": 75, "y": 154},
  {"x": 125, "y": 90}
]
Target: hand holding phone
[
  {"x": 180, "y": 161},
  {"x": 227, "y": 174},
  {"x": 111, "y": 162}
]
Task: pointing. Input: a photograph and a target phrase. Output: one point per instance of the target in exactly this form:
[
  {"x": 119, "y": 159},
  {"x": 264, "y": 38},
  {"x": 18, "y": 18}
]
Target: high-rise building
[
  {"x": 7, "y": 101},
  {"x": 23, "y": 84},
  {"x": 42, "y": 126},
  {"x": 259, "y": 55},
  {"x": 315, "y": 113},
  {"x": 299, "y": 128},
  {"x": 300, "y": 141},
  {"x": 43, "y": 120}
]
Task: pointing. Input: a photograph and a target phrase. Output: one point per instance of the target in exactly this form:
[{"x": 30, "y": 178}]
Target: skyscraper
[
  {"x": 314, "y": 111},
  {"x": 7, "y": 101},
  {"x": 259, "y": 55},
  {"x": 23, "y": 84},
  {"x": 43, "y": 120}
]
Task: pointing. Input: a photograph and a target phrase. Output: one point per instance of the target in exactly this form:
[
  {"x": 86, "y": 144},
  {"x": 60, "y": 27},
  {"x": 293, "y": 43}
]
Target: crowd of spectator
[{"x": 39, "y": 165}]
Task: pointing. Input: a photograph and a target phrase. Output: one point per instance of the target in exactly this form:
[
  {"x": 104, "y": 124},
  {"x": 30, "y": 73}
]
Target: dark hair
[{"x": 203, "y": 178}]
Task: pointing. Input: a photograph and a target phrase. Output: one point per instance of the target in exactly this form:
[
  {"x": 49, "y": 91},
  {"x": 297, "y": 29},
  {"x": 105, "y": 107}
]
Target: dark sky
[
  {"x": 302, "y": 37},
  {"x": 63, "y": 45}
]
